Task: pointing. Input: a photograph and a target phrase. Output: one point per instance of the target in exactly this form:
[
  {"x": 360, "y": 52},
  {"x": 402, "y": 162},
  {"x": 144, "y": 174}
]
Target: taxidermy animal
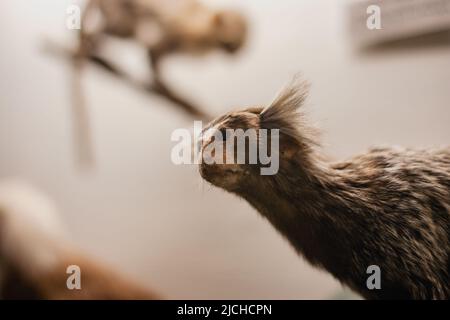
[
  {"x": 388, "y": 207},
  {"x": 36, "y": 258},
  {"x": 162, "y": 27}
]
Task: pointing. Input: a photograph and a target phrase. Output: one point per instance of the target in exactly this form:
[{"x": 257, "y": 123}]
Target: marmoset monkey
[
  {"x": 35, "y": 254},
  {"x": 162, "y": 27},
  {"x": 388, "y": 207}
]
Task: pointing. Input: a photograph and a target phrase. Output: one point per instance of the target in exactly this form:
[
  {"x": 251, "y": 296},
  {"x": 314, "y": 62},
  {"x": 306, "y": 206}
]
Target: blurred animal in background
[
  {"x": 389, "y": 207},
  {"x": 161, "y": 27},
  {"x": 35, "y": 254}
]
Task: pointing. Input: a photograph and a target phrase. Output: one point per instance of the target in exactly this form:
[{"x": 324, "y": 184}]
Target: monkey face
[{"x": 226, "y": 149}]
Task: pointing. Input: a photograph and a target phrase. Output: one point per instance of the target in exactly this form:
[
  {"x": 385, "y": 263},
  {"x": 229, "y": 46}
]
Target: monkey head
[{"x": 248, "y": 148}]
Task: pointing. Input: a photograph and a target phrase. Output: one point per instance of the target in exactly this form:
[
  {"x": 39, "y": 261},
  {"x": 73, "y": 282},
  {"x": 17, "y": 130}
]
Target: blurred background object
[
  {"x": 37, "y": 259},
  {"x": 155, "y": 220},
  {"x": 400, "y": 22},
  {"x": 162, "y": 28}
]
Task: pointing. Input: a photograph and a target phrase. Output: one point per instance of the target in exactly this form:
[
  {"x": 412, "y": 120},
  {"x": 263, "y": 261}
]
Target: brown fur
[{"x": 388, "y": 207}]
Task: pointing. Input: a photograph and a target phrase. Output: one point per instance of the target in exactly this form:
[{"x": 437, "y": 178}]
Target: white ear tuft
[{"x": 284, "y": 112}]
